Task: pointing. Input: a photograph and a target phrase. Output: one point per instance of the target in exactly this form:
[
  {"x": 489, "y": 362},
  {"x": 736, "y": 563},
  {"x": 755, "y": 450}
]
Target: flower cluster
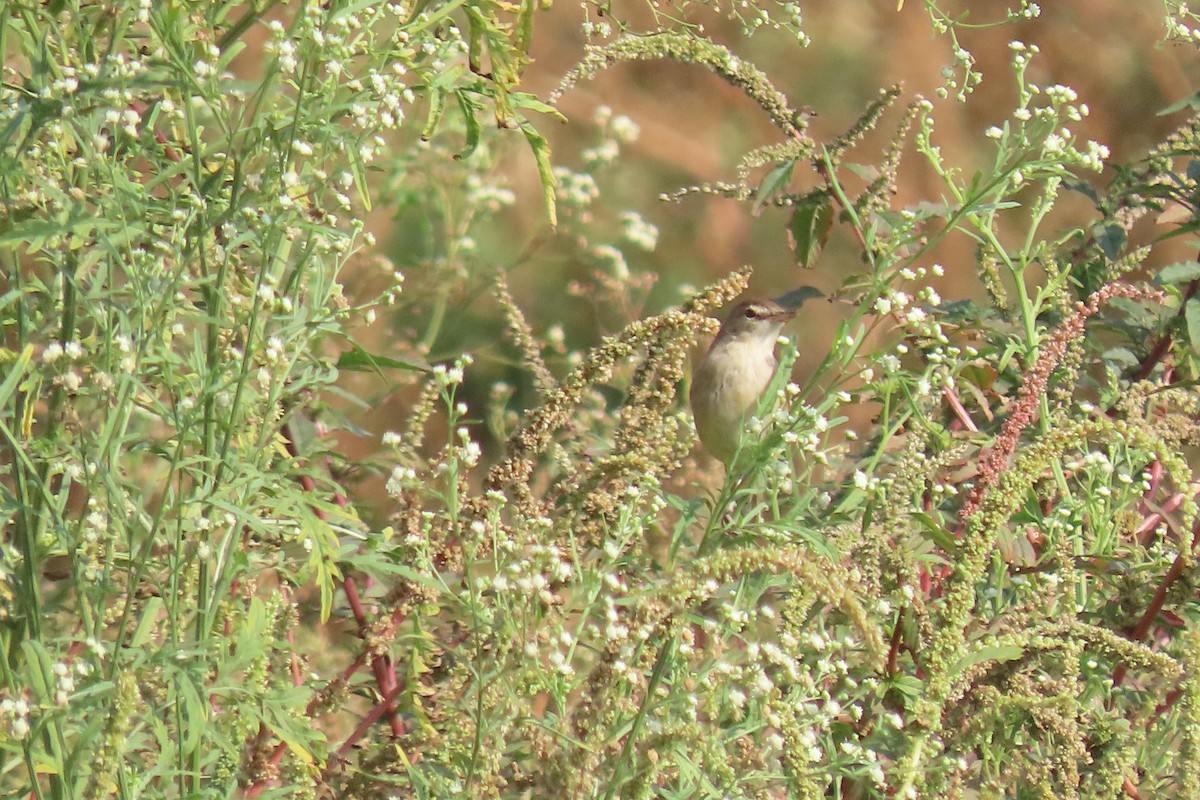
[
  {"x": 1044, "y": 126},
  {"x": 1181, "y": 23}
]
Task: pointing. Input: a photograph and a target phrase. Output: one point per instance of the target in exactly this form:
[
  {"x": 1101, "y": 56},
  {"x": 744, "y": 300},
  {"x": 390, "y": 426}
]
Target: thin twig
[{"x": 959, "y": 411}]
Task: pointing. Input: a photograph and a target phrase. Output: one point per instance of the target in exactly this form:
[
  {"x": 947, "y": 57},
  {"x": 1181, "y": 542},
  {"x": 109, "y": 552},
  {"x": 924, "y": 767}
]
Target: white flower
[
  {"x": 638, "y": 232},
  {"x": 625, "y": 129}
]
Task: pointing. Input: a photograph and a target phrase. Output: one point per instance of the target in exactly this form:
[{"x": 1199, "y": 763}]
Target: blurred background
[{"x": 451, "y": 236}]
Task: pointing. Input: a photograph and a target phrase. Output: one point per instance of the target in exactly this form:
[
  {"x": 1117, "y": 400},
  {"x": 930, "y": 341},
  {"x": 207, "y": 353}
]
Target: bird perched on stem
[{"x": 727, "y": 382}]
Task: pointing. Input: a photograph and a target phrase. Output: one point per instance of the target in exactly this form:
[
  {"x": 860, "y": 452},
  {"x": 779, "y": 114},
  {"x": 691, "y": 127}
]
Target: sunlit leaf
[
  {"x": 809, "y": 229},
  {"x": 774, "y": 183},
  {"x": 541, "y": 153},
  {"x": 358, "y": 359}
]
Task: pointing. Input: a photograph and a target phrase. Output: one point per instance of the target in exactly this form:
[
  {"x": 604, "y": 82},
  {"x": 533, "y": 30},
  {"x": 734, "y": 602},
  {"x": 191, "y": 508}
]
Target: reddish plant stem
[
  {"x": 1166, "y": 705},
  {"x": 381, "y": 665},
  {"x": 1142, "y": 628},
  {"x": 168, "y": 150},
  {"x": 276, "y": 756},
  {"x": 959, "y": 410},
  {"x": 1154, "y": 518},
  {"x": 384, "y": 706}
]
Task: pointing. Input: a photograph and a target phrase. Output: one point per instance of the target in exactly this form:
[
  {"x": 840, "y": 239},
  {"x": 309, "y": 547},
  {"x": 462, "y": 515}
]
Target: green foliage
[{"x": 987, "y": 587}]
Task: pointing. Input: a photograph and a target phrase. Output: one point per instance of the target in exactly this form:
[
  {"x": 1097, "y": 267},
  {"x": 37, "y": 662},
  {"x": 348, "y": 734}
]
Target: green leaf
[
  {"x": 359, "y": 170},
  {"x": 775, "y": 182},
  {"x": 868, "y": 172},
  {"x": 1007, "y": 356},
  {"x": 195, "y": 716},
  {"x": 437, "y": 106},
  {"x": 471, "y": 119},
  {"x": 1181, "y": 272},
  {"x": 1191, "y": 313},
  {"x": 15, "y": 373},
  {"x": 38, "y": 663},
  {"x": 148, "y": 623},
  {"x": 796, "y": 297},
  {"x": 321, "y": 565},
  {"x": 906, "y": 685},
  {"x": 809, "y": 229},
  {"x": 541, "y": 153},
  {"x": 284, "y": 725},
  {"x": 938, "y": 533},
  {"x": 1191, "y": 101},
  {"x": 524, "y": 26},
  {"x": 1111, "y": 239},
  {"x": 531, "y": 102},
  {"x": 996, "y": 653},
  {"x": 357, "y": 359},
  {"x": 40, "y": 671},
  {"x": 1121, "y": 356}
]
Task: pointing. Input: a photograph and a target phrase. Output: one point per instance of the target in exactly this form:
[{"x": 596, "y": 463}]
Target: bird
[{"x": 729, "y": 379}]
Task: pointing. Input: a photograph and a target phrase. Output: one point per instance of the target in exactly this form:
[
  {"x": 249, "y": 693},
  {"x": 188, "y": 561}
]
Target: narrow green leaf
[
  {"x": 531, "y": 102},
  {"x": 357, "y": 359},
  {"x": 1007, "y": 356},
  {"x": 775, "y": 182},
  {"x": 283, "y": 725},
  {"x": 148, "y": 622},
  {"x": 541, "y": 153},
  {"x": 195, "y": 712},
  {"x": 471, "y": 119},
  {"x": 359, "y": 171},
  {"x": 1191, "y": 313},
  {"x": 996, "y": 653},
  {"x": 525, "y": 25},
  {"x": 38, "y": 662},
  {"x": 15, "y": 373},
  {"x": 1191, "y": 101},
  {"x": 1181, "y": 272},
  {"x": 938, "y": 533},
  {"x": 437, "y": 106},
  {"x": 796, "y": 297},
  {"x": 321, "y": 566},
  {"x": 809, "y": 229}
]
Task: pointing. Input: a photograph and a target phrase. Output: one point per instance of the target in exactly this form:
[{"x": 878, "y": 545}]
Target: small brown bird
[
  {"x": 733, "y": 373},
  {"x": 728, "y": 381}
]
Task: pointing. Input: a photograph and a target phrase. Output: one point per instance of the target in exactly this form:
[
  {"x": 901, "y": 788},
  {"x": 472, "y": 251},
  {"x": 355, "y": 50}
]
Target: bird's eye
[{"x": 751, "y": 313}]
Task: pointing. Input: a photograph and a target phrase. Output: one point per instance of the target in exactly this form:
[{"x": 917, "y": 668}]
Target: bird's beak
[{"x": 795, "y": 298}]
